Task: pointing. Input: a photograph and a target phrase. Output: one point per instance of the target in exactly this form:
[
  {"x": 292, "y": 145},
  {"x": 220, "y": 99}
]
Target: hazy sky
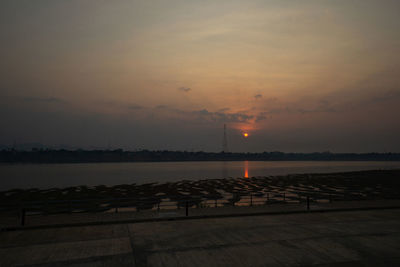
[{"x": 296, "y": 75}]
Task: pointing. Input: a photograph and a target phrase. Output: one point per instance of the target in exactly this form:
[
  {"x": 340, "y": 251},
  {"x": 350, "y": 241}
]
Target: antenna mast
[{"x": 225, "y": 141}]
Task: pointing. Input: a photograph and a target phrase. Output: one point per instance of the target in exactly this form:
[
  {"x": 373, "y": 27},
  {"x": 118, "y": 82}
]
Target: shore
[
  {"x": 203, "y": 197},
  {"x": 361, "y": 185}
]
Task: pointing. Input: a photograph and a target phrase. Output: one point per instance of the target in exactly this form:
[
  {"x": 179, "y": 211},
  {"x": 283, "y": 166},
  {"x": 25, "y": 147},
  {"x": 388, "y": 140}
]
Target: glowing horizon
[{"x": 299, "y": 76}]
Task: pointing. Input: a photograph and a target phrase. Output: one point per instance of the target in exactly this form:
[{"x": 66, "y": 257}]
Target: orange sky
[{"x": 285, "y": 71}]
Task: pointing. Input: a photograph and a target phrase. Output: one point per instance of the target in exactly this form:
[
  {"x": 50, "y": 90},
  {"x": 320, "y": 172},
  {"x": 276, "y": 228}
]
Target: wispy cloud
[
  {"x": 386, "y": 96},
  {"x": 135, "y": 107},
  {"x": 222, "y": 116},
  {"x": 261, "y": 116},
  {"x": 120, "y": 105},
  {"x": 257, "y": 96},
  {"x": 43, "y": 99},
  {"x": 184, "y": 89},
  {"x": 161, "y": 107},
  {"x": 205, "y": 115},
  {"x": 224, "y": 109}
]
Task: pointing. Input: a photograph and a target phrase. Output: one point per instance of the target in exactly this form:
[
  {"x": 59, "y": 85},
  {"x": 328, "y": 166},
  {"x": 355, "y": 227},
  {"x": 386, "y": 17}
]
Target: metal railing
[{"x": 165, "y": 202}]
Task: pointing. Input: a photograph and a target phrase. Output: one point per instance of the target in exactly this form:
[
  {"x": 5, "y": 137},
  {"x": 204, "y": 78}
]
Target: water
[{"x": 63, "y": 175}]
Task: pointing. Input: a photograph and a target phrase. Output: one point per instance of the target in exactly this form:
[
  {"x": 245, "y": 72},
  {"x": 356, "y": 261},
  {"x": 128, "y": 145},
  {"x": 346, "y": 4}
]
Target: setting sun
[{"x": 246, "y": 135}]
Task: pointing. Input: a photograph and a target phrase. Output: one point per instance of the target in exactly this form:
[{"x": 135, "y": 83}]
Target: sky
[{"x": 297, "y": 76}]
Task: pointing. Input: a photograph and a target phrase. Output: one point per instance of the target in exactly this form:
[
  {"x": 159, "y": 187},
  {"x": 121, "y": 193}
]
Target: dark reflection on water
[{"x": 62, "y": 175}]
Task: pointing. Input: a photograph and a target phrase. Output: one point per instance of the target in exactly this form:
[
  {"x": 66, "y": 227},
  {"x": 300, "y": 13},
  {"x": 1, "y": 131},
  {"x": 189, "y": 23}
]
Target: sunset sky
[{"x": 298, "y": 76}]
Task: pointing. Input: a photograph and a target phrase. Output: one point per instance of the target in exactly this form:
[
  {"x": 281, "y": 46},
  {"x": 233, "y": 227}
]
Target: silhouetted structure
[{"x": 225, "y": 141}]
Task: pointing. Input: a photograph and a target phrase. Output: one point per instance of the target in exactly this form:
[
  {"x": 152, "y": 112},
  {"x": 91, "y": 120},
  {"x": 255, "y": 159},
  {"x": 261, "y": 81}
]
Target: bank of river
[{"x": 363, "y": 185}]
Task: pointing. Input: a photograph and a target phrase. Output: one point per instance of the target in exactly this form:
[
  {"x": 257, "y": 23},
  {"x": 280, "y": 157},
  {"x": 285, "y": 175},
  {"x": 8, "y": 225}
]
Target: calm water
[{"x": 63, "y": 175}]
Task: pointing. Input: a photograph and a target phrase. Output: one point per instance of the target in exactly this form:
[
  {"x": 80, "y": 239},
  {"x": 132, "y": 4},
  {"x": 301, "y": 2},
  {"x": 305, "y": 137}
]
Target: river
[{"x": 63, "y": 175}]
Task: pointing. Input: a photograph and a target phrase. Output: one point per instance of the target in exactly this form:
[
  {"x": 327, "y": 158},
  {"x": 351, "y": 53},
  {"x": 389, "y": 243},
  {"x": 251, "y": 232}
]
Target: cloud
[
  {"x": 303, "y": 106},
  {"x": 203, "y": 115},
  {"x": 321, "y": 106},
  {"x": 161, "y": 107},
  {"x": 261, "y": 116},
  {"x": 120, "y": 105},
  {"x": 134, "y": 106},
  {"x": 184, "y": 89},
  {"x": 386, "y": 96},
  {"x": 299, "y": 110},
  {"x": 222, "y": 116},
  {"x": 43, "y": 99},
  {"x": 257, "y": 96}
]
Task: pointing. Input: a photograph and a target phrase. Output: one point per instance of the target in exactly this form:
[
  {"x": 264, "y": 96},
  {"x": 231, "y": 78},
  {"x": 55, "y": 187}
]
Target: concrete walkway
[{"x": 351, "y": 238}]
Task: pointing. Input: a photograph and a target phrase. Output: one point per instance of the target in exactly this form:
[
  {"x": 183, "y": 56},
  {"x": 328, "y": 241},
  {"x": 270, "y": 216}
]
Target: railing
[{"x": 164, "y": 202}]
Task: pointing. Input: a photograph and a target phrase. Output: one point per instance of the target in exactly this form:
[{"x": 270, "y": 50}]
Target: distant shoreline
[
  {"x": 119, "y": 155},
  {"x": 180, "y": 161}
]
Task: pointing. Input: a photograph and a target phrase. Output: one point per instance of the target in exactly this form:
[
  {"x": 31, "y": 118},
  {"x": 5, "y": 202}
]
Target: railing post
[
  {"x": 158, "y": 206},
  {"x": 216, "y": 205},
  {"x": 267, "y": 197},
  {"x": 284, "y": 197},
  {"x": 116, "y": 206},
  {"x": 308, "y": 203},
  {"x": 251, "y": 199},
  {"x": 330, "y": 198},
  {"x": 187, "y": 209}
]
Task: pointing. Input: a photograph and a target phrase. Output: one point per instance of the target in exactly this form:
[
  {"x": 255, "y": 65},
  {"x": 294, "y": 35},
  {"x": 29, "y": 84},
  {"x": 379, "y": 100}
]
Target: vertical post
[
  {"x": 284, "y": 197},
  {"x": 187, "y": 208},
  {"x": 330, "y": 198},
  {"x": 308, "y": 203},
  {"x": 268, "y": 197},
  {"x": 251, "y": 199},
  {"x": 22, "y": 217},
  {"x": 158, "y": 206},
  {"x": 216, "y": 205},
  {"x": 225, "y": 141},
  {"x": 116, "y": 205}
]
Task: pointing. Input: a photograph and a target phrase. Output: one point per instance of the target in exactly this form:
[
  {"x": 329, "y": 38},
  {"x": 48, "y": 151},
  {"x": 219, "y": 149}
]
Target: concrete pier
[{"x": 348, "y": 238}]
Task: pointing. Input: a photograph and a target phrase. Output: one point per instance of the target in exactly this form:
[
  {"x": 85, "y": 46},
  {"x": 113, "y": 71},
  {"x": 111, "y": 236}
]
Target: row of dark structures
[{"x": 119, "y": 155}]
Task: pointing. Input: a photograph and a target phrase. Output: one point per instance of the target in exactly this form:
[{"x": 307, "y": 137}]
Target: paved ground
[{"x": 352, "y": 238}]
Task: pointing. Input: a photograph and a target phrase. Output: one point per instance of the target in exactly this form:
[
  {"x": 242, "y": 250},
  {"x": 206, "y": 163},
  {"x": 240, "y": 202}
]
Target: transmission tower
[{"x": 225, "y": 141}]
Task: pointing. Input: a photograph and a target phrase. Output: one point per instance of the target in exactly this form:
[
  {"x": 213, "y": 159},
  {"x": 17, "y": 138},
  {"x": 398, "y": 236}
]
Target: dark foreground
[{"x": 356, "y": 238}]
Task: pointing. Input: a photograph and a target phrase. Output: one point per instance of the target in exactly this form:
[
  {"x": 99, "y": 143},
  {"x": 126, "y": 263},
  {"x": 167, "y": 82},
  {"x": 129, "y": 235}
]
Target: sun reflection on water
[{"x": 246, "y": 169}]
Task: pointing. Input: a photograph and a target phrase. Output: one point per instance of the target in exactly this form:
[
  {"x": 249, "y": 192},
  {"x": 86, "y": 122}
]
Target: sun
[{"x": 245, "y": 135}]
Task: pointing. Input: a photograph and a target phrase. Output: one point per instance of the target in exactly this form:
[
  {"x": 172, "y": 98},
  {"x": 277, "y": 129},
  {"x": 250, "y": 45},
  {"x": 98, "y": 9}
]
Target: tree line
[{"x": 119, "y": 155}]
